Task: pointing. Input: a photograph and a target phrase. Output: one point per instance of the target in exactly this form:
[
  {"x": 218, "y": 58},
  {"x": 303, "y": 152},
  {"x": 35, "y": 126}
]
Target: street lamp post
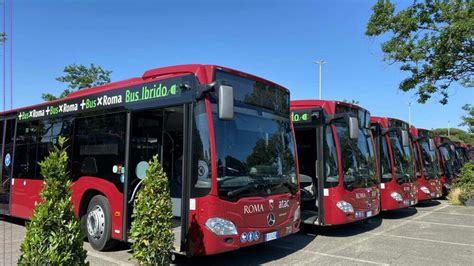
[{"x": 320, "y": 62}]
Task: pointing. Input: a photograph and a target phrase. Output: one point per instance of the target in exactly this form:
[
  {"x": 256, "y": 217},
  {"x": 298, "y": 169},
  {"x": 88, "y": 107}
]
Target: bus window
[
  {"x": 26, "y": 151},
  {"x": 99, "y": 147},
  {"x": 201, "y": 164},
  {"x": 385, "y": 163}
]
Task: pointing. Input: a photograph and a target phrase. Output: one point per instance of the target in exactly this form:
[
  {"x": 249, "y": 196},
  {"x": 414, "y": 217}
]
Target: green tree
[
  {"x": 456, "y": 134},
  {"x": 53, "y": 236},
  {"x": 468, "y": 119},
  {"x": 152, "y": 225},
  {"x": 80, "y": 77},
  {"x": 433, "y": 41}
]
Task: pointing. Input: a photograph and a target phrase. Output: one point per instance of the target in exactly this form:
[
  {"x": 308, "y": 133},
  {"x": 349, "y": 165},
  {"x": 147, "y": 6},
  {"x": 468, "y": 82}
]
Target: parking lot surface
[{"x": 433, "y": 233}]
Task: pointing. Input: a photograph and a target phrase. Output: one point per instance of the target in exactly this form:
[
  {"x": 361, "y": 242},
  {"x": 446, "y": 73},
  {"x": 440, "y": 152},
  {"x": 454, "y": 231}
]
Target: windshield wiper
[{"x": 256, "y": 184}]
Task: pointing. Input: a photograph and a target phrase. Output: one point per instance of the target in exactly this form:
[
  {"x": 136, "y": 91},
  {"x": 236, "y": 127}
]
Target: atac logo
[{"x": 253, "y": 208}]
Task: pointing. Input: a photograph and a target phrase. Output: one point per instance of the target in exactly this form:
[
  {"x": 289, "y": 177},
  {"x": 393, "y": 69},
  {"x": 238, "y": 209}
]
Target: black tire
[{"x": 99, "y": 207}]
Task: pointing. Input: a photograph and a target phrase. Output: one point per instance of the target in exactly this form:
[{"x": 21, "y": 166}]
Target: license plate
[
  {"x": 271, "y": 236},
  {"x": 369, "y": 214}
]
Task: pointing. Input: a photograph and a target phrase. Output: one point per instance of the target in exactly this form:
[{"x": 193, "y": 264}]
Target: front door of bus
[
  {"x": 7, "y": 133},
  {"x": 159, "y": 132}
]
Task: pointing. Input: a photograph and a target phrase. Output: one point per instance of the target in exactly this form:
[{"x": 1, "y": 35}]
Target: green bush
[
  {"x": 152, "y": 225},
  {"x": 53, "y": 235},
  {"x": 465, "y": 182}
]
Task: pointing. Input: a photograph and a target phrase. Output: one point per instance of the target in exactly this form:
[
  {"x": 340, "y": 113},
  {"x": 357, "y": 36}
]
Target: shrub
[
  {"x": 53, "y": 235},
  {"x": 465, "y": 182},
  {"x": 152, "y": 228},
  {"x": 454, "y": 196}
]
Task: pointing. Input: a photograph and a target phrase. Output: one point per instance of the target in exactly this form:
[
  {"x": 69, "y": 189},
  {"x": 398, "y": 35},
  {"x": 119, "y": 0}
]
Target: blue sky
[{"x": 277, "y": 40}]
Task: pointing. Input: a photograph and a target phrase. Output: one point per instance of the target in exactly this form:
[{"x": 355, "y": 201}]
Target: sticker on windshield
[{"x": 8, "y": 160}]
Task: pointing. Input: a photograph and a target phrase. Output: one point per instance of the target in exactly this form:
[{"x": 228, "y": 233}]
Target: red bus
[
  {"x": 449, "y": 165},
  {"x": 396, "y": 166},
  {"x": 223, "y": 137},
  {"x": 337, "y": 162},
  {"x": 427, "y": 170}
]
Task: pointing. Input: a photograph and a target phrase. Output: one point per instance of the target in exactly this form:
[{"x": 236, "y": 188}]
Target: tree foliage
[
  {"x": 3, "y": 37},
  {"x": 433, "y": 41},
  {"x": 468, "y": 119},
  {"x": 465, "y": 183},
  {"x": 79, "y": 77},
  {"x": 152, "y": 225},
  {"x": 456, "y": 135},
  {"x": 53, "y": 235}
]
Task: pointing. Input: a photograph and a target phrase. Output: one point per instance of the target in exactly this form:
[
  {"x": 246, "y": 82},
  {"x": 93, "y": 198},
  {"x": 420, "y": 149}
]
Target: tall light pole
[
  {"x": 409, "y": 114},
  {"x": 320, "y": 62}
]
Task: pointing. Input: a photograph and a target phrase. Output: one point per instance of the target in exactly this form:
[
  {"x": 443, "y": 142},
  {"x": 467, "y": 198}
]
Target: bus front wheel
[{"x": 97, "y": 223}]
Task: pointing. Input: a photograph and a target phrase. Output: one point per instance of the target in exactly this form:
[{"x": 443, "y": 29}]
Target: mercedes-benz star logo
[{"x": 271, "y": 219}]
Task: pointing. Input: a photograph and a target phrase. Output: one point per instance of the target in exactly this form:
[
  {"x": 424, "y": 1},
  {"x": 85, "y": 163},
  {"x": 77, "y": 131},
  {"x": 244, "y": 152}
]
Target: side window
[
  {"x": 201, "y": 161},
  {"x": 25, "y": 165},
  {"x": 385, "y": 162},
  {"x": 99, "y": 147},
  {"x": 331, "y": 168},
  {"x": 48, "y": 133}
]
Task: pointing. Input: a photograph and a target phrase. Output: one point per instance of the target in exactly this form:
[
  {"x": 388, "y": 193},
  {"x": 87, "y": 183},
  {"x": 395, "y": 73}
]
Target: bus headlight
[
  {"x": 296, "y": 215},
  {"x": 425, "y": 190},
  {"x": 344, "y": 206},
  {"x": 396, "y": 196},
  {"x": 221, "y": 227}
]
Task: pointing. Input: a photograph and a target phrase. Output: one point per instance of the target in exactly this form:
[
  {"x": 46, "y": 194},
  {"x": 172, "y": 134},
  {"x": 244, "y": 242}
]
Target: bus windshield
[
  {"x": 402, "y": 159},
  {"x": 357, "y": 158},
  {"x": 429, "y": 160},
  {"x": 255, "y": 154}
]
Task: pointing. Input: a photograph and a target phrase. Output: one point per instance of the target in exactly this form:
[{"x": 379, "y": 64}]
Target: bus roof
[
  {"x": 328, "y": 105},
  {"x": 385, "y": 120},
  {"x": 204, "y": 74}
]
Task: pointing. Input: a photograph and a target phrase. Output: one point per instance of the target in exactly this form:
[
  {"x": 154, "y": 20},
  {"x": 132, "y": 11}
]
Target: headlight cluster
[
  {"x": 396, "y": 196},
  {"x": 425, "y": 190},
  {"x": 344, "y": 206},
  {"x": 221, "y": 227},
  {"x": 297, "y": 214}
]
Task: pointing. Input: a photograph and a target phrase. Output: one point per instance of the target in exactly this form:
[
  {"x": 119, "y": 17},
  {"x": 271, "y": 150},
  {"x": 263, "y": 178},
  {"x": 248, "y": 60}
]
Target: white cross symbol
[
  {"x": 83, "y": 103},
  {"x": 99, "y": 101},
  {"x": 61, "y": 108},
  {"x": 31, "y": 113},
  {"x": 21, "y": 116},
  {"x": 47, "y": 110}
]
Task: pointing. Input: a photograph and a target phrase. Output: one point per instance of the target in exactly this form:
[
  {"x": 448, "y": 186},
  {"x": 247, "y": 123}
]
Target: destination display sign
[
  {"x": 300, "y": 117},
  {"x": 143, "y": 93}
]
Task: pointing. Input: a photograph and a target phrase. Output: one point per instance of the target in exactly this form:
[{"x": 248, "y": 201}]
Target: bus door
[
  {"x": 309, "y": 133},
  {"x": 7, "y": 134},
  {"x": 160, "y": 132}
]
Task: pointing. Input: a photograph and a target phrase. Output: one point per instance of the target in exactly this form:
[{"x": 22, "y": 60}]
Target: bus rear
[
  {"x": 337, "y": 163},
  {"x": 428, "y": 176},
  {"x": 396, "y": 166}
]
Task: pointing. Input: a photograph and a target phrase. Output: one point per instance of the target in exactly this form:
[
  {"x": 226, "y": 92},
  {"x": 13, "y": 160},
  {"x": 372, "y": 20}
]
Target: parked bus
[
  {"x": 337, "y": 162},
  {"x": 462, "y": 152},
  {"x": 448, "y": 163},
  {"x": 396, "y": 166},
  {"x": 223, "y": 137},
  {"x": 427, "y": 165}
]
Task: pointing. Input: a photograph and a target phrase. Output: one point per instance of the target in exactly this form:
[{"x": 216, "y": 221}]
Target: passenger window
[
  {"x": 25, "y": 163},
  {"x": 98, "y": 147}
]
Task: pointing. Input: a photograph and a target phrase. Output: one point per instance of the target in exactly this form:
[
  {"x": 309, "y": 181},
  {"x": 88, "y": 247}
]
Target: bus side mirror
[
  {"x": 432, "y": 145},
  {"x": 353, "y": 128},
  {"x": 226, "y": 102},
  {"x": 405, "y": 138}
]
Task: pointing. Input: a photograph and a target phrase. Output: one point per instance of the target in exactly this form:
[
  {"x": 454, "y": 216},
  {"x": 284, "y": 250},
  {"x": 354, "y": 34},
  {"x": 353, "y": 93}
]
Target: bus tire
[{"x": 97, "y": 223}]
